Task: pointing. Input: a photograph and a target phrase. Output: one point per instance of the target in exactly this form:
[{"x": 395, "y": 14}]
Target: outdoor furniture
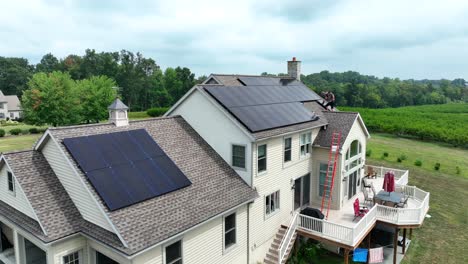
[
  {"x": 403, "y": 203},
  {"x": 358, "y": 210},
  {"x": 389, "y": 198},
  {"x": 366, "y": 196},
  {"x": 371, "y": 173}
]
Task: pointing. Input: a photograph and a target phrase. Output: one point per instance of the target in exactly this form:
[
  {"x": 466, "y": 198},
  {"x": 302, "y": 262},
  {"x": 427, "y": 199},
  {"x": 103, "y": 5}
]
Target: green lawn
[
  {"x": 138, "y": 115},
  {"x": 443, "y": 237},
  {"x": 14, "y": 143},
  {"x": 21, "y": 126}
]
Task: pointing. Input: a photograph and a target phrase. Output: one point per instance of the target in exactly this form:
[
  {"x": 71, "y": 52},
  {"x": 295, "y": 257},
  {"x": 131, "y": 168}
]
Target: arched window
[{"x": 354, "y": 149}]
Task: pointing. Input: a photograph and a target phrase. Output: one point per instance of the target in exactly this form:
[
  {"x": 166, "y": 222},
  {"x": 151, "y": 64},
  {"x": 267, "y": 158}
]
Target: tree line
[
  {"x": 357, "y": 90},
  {"x": 140, "y": 81}
]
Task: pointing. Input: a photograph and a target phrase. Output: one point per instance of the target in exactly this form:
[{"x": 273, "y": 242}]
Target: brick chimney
[{"x": 294, "y": 68}]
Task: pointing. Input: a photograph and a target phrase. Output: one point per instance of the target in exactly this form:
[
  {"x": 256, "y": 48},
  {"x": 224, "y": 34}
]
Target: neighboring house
[
  {"x": 276, "y": 134},
  {"x": 66, "y": 203},
  {"x": 10, "y": 107}
]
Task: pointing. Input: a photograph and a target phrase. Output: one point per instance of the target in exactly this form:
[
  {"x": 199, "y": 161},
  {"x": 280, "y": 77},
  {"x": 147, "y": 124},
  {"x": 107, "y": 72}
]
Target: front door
[{"x": 302, "y": 191}]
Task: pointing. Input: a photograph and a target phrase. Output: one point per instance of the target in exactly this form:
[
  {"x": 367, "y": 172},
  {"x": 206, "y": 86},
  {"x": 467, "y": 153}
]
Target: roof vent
[{"x": 118, "y": 113}]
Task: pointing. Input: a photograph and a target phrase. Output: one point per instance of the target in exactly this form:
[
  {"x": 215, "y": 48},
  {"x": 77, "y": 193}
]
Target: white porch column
[{"x": 18, "y": 242}]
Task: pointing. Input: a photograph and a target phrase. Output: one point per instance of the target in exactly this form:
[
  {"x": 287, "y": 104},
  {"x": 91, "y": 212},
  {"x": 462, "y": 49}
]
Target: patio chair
[
  {"x": 371, "y": 174},
  {"x": 358, "y": 210},
  {"x": 403, "y": 203},
  {"x": 367, "y": 198}
]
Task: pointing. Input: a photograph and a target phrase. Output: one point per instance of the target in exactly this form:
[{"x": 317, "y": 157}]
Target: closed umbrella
[{"x": 389, "y": 182}]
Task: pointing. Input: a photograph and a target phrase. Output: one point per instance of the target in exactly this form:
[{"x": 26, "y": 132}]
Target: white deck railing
[
  {"x": 352, "y": 235},
  {"x": 401, "y": 176},
  {"x": 286, "y": 241}
]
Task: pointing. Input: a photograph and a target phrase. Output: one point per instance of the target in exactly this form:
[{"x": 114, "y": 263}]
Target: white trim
[
  {"x": 277, "y": 207},
  {"x": 89, "y": 192},
  {"x": 41, "y": 140},
  {"x": 25, "y": 234},
  {"x": 259, "y": 173},
  {"x": 361, "y": 121},
  {"x": 285, "y": 163},
  {"x": 2, "y": 157},
  {"x": 180, "y": 101},
  {"x": 212, "y": 77},
  {"x": 78, "y": 250}
]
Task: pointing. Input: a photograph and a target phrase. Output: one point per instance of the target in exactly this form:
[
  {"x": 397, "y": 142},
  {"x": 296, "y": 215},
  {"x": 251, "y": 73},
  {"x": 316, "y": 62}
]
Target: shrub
[
  {"x": 418, "y": 163},
  {"x": 437, "y": 166},
  {"x": 2, "y": 133},
  {"x": 157, "y": 111},
  {"x": 15, "y": 131},
  {"x": 34, "y": 130},
  {"x": 24, "y": 131},
  {"x": 401, "y": 158},
  {"x": 385, "y": 154},
  {"x": 457, "y": 170},
  {"x": 368, "y": 152}
]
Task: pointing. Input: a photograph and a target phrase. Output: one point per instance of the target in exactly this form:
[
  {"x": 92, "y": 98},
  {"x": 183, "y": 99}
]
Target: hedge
[{"x": 157, "y": 111}]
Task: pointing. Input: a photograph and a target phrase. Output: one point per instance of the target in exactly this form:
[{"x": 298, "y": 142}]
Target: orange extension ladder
[{"x": 331, "y": 169}]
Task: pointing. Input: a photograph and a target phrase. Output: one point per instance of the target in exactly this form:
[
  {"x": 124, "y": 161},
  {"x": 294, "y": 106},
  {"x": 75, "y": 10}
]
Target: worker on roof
[{"x": 330, "y": 99}]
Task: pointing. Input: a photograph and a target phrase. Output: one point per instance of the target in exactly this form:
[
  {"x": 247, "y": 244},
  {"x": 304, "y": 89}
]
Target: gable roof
[
  {"x": 266, "y": 106},
  {"x": 13, "y": 103},
  {"x": 215, "y": 186},
  {"x": 58, "y": 217}
]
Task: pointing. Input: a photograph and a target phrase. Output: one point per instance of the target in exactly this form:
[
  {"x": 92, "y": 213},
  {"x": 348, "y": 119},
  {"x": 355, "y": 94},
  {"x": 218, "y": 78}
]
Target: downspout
[{"x": 248, "y": 233}]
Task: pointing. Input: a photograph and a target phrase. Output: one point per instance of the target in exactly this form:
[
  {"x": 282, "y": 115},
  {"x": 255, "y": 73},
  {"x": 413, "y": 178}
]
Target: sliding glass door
[{"x": 301, "y": 191}]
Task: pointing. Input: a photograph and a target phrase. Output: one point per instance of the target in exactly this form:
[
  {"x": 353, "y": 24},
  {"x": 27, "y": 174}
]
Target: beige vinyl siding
[
  {"x": 17, "y": 200},
  {"x": 216, "y": 129},
  {"x": 320, "y": 155},
  {"x": 279, "y": 176},
  {"x": 66, "y": 247},
  {"x": 80, "y": 196}
]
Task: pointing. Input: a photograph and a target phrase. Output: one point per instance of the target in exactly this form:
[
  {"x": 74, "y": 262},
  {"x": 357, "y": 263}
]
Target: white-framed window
[
  {"x": 287, "y": 149},
  {"x": 173, "y": 253},
  {"x": 73, "y": 258},
  {"x": 322, "y": 176},
  {"x": 262, "y": 158},
  {"x": 229, "y": 230},
  {"x": 11, "y": 182},
  {"x": 354, "y": 156},
  {"x": 238, "y": 156},
  {"x": 272, "y": 203},
  {"x": 305, "y": 143}
]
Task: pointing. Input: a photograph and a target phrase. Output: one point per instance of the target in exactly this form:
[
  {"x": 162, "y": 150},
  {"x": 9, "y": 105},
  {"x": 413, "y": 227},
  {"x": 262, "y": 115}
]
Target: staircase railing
[{"x": 286, "y": 241}]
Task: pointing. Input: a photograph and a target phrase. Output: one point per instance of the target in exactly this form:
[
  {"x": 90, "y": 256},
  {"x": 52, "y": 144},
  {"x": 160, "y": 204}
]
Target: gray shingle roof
[
  {"x": 2, "y": 98},
  {"x": 337, "y": 122},
  {"x": 215, "y": 185},
  {"x": 117, "y": 105},
  {"x": 13, "y": 103}
]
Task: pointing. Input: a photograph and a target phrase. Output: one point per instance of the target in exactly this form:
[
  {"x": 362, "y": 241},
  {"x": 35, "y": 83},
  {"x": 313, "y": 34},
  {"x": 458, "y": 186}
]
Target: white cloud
[{"x": 407, "y": 39}]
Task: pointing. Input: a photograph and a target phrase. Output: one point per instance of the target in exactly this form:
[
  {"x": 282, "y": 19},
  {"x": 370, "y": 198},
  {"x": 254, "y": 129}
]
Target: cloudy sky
[{"x": 405, "y": 39}]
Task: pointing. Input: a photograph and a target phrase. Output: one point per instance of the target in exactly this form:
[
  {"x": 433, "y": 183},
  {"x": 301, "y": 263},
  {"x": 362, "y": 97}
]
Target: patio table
[{"x": 393, "y": 197}]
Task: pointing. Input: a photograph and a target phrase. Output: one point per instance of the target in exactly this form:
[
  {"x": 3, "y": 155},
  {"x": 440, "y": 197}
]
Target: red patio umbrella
[{"x": 389, "y": 182}]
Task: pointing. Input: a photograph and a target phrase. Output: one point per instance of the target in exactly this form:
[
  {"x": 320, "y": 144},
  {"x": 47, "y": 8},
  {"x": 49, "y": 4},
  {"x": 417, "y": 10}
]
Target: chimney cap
[
  {"x": 117, "y": 105},
  {"x": 294, "y": 59}
]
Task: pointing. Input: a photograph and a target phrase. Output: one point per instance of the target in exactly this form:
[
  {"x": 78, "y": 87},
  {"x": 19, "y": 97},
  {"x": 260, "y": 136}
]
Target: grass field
[
  {"x": 14, "y": 143},
  {"x": 21, "y": 126},
  {"x": 443, "y": 237}
]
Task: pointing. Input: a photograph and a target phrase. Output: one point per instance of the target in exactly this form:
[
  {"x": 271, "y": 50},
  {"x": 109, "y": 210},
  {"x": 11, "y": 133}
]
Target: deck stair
[
  {"x": 272, "y": 256},
  {"x": 333, "y": 157}
]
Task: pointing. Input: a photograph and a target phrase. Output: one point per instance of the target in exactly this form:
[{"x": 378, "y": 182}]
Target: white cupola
[{"x": 118, "y": 113}]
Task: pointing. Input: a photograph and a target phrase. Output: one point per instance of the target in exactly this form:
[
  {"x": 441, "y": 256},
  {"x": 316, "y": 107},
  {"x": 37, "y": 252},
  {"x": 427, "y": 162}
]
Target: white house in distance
[
  {"x": 10, "y": 107},
  {"x": 276, "y": 134},
  {"x": 224, "y": 177}
]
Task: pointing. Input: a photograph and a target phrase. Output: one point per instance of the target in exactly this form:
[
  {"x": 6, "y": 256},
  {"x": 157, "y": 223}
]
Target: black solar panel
[
  {"x": 261, "y": 106},
  {"x": 126, "y": 167},
  {"x": 254, "y": 80}
]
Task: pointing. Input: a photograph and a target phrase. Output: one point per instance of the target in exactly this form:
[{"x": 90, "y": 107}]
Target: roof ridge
[
  {"x": 251, "y": 75},
  {"x": 108, "y": 123}
]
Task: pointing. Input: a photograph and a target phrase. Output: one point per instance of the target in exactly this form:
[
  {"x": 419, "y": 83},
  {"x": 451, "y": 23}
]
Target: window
[
  {"x": 174, "y": 253},
  {"x": 229, "y": 230},
  {"x": 73, "y": 258},
  {"x": 322, "y": 177},
  {"x": 305, "y": 144},
  {"x": 11, "y": 182},
  {"x": 272, "y": 202},
  {"x": 238, "y": 156},
  {"x": 261, "y": 159},
  {"x": 1, "y": 105},
  {"x": 287, "y": 149}
]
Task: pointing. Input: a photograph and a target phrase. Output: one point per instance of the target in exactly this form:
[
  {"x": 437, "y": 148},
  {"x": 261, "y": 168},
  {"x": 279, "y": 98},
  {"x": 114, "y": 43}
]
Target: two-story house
[
  {"x": 10, "y": 107},
  {"x": 277, "y": 135}
]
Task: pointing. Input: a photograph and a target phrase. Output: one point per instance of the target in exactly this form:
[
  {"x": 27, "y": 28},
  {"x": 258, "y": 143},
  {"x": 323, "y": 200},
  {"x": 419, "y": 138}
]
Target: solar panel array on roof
[
  {"x": 126, "y": 167},
  {"x": 253, "y": 80},
  {"x": 264, "y": 103}
]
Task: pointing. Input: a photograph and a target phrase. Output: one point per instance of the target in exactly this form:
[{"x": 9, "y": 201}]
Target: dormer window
[{"x": 11, "y": 182}]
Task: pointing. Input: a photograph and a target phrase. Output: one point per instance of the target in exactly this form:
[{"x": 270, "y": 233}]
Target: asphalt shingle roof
[
  {"x": 13, "y": 103},
  {"x": 337, "y": 122},
  {"x": 215, "y": 185}
]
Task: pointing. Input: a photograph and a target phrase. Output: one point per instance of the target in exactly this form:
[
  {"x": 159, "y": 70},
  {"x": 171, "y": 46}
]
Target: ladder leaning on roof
[{"x": 331, "y": 172}]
